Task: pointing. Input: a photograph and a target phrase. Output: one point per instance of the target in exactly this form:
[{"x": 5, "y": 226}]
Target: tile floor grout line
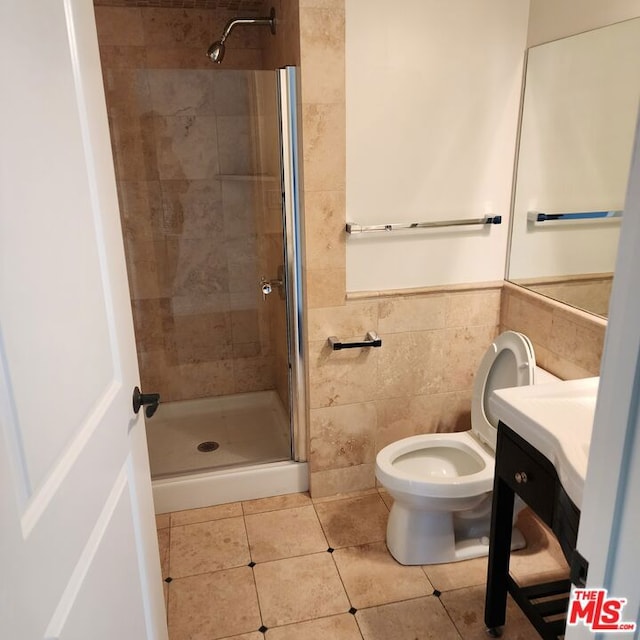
[
  {"x": 297, "y": 622},
  {"x": 168, "y": 557},
  {"x": 359, "y": 627},
  {"x": 344, "y": 496},
  {"x": 255, "y": 586},
  {"x": 344, "y": 586},
  {"x": 246, "y": 535},
  {"x": 282, "y": 508},
  {"x": 166, "y": 604},
  {"x": 471, "y": 586},
  {"x": 453, "y": 622},
  {"x": 324, "y": 531},
  {"x": 383, "y": 500},
  {"x": 302, "y": 555},
  {"x": 204, "y": 573},
  {"x": 191, "y": 524},
  {"x": 424, "y": 570},
  {"x": 168, "y": 600},
  {"x": 385, "y": 604},
  {"x": 252, "y": 566}
]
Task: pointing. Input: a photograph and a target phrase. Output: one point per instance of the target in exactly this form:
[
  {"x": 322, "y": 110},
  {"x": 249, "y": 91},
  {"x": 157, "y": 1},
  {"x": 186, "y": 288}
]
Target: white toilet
[{"x": 441, "y": 483}]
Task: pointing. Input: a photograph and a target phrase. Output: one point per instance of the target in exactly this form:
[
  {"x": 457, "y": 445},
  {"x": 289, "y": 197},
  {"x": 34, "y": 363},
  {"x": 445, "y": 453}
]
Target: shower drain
[{"x": 207, "y": 447}]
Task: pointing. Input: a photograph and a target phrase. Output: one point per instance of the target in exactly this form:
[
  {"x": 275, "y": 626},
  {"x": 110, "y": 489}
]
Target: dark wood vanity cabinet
[{"x": 522, "y": 470}]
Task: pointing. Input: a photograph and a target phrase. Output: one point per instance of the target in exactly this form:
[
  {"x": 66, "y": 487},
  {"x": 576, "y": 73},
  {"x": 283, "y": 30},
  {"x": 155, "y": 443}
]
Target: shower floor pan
[{"x": 231, "y": 431}]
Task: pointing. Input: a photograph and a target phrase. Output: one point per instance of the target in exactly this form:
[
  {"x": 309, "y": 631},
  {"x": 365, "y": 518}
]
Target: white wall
[
  {"x": 580, "y": 109},
  {"x": 433, "y": 93},
  {"x": 553, "y": 19}
]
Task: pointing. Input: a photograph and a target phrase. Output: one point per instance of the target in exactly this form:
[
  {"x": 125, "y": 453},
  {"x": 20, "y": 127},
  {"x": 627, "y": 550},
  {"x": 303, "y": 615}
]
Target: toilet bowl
[{"x": 441, "y": 483}]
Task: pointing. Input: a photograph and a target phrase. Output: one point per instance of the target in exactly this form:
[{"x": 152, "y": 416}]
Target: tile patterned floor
[{"x": 290, "y": 568}]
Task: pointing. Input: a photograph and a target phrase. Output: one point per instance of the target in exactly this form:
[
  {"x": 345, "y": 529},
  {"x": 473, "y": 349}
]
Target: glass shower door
[
  {"x": 244, "y": 417},
  {"x": 202, "y": 198}
]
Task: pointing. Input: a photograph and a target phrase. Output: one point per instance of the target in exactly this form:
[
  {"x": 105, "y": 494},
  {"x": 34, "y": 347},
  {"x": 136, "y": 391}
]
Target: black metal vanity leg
[{"x": 499, "y": 550}]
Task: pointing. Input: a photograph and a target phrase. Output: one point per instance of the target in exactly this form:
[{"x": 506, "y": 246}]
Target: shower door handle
[
  {"x": 266, "y": 286},
  {"x": 148, "y": 400}
]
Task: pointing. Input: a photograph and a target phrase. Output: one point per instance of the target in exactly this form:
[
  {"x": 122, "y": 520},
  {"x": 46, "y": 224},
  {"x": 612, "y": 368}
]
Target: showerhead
[{"x": 216, "y": 50}]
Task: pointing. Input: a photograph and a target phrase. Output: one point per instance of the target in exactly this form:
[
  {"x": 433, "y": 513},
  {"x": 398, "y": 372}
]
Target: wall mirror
[{"x": 577, "y": 128}]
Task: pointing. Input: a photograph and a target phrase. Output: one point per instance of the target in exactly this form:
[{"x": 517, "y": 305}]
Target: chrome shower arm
[
  {"x": 217, "y": 49},
  {"x": 234, "y": 22}
]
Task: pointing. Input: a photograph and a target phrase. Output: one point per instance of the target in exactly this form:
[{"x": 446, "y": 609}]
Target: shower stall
[{"x": 206, "y": 167}]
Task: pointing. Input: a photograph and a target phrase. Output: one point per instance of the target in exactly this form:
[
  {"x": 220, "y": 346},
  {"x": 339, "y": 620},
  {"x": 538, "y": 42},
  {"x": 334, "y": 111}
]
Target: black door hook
[{"x": 148, "y": 400}]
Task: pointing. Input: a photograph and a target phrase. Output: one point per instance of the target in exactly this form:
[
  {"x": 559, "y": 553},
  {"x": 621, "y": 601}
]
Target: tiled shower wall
[{"x": 194, "y": 198}]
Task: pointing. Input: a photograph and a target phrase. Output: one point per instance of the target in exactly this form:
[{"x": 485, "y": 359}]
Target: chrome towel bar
[
  {"x": 372, "y": 340},
  {"x": 352, "y": 227},
  {"x": 538, "y": 216}
]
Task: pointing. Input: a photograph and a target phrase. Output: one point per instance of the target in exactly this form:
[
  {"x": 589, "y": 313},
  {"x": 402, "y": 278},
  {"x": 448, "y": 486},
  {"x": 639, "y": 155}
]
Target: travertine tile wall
[
  {"x": 567, "y": 342},
  {"x": 194, "y": 212},
  {"x": 283, "y": 48},
  {"x": 421, "y": 378},
  {"x": 172, "y": 38},
  {"x": 591, "y": 293},
  {"x": 323, "y": 173},
  {"x": 323, "y": 153},
  {"x": 419, "y": 381}
]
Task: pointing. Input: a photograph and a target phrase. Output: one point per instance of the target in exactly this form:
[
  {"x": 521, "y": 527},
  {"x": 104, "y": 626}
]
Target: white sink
[{"x": 556, "y": 419}]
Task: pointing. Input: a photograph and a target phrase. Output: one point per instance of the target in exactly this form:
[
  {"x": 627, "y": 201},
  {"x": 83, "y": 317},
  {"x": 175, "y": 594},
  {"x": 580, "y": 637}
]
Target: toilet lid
[{"x": 508, "y": 362}]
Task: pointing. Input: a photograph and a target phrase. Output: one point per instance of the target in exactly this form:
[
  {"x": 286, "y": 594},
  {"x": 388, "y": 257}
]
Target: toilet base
[{"x": 416, "y": 537}]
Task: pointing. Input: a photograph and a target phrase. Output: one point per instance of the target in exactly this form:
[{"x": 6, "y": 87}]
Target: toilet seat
[
  {"x": 441, "y": 483},
  {"x": 469, "y": 469},
  {"x": 508, "y": 362},
  {"x": 474, "y": 473}
]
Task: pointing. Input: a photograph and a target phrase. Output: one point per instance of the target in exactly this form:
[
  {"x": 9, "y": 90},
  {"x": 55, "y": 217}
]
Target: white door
[{"x": 78, "y": 553}]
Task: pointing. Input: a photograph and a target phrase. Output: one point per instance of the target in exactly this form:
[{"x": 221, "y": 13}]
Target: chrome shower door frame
[{"x": 287, "y": 88}]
